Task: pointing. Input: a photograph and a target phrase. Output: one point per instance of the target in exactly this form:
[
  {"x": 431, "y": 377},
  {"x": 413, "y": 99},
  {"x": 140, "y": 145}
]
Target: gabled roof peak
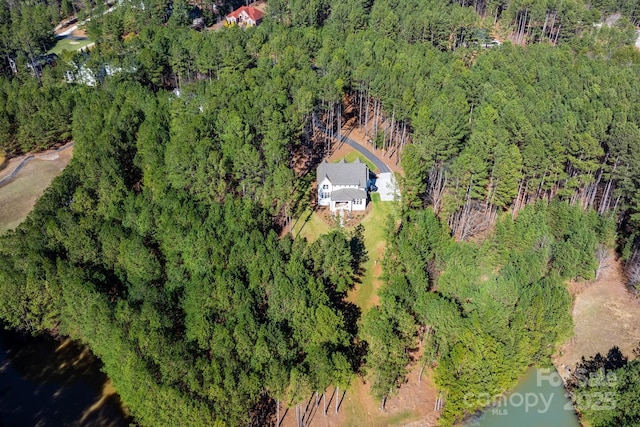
[
  {"x": 252, "y": 12},
  {"x": 343, "y": 173}
]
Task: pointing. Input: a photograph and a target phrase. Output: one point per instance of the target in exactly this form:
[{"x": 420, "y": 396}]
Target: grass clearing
[
  {"x": 310, "y": 226},
  {"x": 356, "y": 414},
  {"x": 353, "y": 155},
  {"x": 69, "y": 44},
  {"x": 364, "y": 295},
  {"x": 412, "y": 405},
  {"x": 359, "y": 408},
  {"x": 18, "y": 197},
  {"x": 414, "y": 401},
  {"x": 606, "y": 303}
]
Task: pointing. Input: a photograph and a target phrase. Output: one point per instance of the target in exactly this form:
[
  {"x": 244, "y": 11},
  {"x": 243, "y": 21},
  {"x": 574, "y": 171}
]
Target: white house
[{"x": 343, "y": 186}]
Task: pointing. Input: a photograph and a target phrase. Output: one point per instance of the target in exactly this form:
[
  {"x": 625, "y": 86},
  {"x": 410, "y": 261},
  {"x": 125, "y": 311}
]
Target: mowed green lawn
[
  {"x": 374, "y": 238},
  {"x": 353, "y": 155},
  {"x": 311, "y": 226},
  {"x": 70, "y": 45},
  {"x": 358, "y": 405}
]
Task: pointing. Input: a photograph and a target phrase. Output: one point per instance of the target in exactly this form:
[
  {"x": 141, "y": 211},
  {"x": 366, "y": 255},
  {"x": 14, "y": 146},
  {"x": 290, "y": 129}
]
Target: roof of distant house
[
  {"x": 342, "y": 173},
  {"x": 255, "y": 14}
]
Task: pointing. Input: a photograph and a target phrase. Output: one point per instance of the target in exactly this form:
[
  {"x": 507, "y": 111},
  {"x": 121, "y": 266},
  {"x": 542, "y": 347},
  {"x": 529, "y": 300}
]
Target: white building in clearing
[{"x": 343, "y": 186}]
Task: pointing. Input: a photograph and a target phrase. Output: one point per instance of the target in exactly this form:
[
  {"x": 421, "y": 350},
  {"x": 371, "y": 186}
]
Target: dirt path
[
  {"x": 604, "y": 314},
  {"x": 411, "y": 406}
]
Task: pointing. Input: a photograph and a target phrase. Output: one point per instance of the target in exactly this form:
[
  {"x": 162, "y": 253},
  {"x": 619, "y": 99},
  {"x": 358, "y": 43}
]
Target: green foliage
[
  {"x": 190, "y": 287},
  {"x": 493, "y": 309},
  {"x": 34, "y": 115},
  {"x": 158, "y": 245},
  {"x": 388, "y": 333},
  {"x": 332, "y": 256},
  {"x": 606, "y": 390}
]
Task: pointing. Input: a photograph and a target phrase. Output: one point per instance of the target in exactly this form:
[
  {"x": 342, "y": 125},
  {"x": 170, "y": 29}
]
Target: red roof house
[{"x": 247, "y": 16}]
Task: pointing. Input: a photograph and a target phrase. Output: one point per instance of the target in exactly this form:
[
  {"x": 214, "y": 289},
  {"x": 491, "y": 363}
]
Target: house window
[{"x": 325, "y": 187}]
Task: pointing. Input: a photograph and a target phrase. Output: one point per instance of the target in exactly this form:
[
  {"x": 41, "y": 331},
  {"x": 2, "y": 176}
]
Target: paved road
[
  {"x": 27, "y": 159},
  {"x": 368, "y": 154},
  {"x": 15, "y": 171}
]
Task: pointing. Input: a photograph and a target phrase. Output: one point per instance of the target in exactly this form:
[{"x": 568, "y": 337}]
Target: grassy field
[
  {"x": 18, "y": 197},
  {"x": 358, "y": 407},
  {"x": 607, "y": 304},
  {"x": 364, "y": 295},
  {"x": 70, "y": 45},
  {"x": 311, "y": 226}
]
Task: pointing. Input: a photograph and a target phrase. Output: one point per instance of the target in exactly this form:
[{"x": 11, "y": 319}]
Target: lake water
[
  {"x": 44, "y": 382},
  {"x": 539, "y": 400}
]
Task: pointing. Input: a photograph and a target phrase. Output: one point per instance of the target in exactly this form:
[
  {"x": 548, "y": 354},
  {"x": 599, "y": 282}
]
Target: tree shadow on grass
[{"x": 587, "y": 368}]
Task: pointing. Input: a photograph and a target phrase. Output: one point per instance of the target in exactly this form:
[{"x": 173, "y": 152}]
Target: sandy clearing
[
  {"x": 412, "y": 405},
  {"x": 19, "y": 196},
  {"x": 605, "y": 315}
]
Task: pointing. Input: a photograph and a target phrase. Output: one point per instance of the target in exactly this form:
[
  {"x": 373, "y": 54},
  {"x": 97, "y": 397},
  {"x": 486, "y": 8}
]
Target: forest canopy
[{"x": 163, "y": 244}]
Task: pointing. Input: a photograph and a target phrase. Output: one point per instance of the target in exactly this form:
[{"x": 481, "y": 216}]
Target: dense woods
[
  {"x": 479, "y": 313},
  {"x": 161, "y": 245},
  {"x": 608, "y": 388},
  {"x": 207, "y": 306}
]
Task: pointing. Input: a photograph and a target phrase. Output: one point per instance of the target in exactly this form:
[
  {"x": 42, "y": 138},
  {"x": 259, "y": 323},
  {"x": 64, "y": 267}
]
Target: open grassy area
[
  {"x": 606, "y": 303},
  {"x": 310, "y": 226},
  {"x": 70, "y": 45},
  {"x": 360, "y": 413},
  {"x": 18, "y": 197},
  {"x": 358, "y": 407},
  {"x": 353, "y": 155},
  {"x": 364, "y": 295}
]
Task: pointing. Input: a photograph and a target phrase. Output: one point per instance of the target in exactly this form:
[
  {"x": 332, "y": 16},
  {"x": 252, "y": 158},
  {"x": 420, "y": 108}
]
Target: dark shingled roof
[
  {"x": 348, "y": 194},
  {"x": 356, "y": 173}
]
